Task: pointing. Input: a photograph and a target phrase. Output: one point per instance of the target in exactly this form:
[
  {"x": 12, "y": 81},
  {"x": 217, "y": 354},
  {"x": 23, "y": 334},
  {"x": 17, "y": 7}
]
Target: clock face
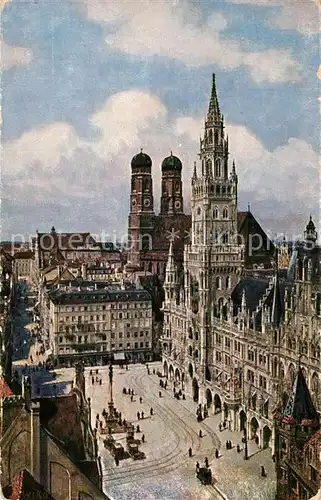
[
  {"x": 177, "y": 204},
  {"x": 147, "y": 202}
]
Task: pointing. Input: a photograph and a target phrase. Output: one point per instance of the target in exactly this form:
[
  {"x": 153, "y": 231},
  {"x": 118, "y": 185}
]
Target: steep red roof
[
  {"x": 5, "y": 390},
  {"x": 62, "y": 418},
  {"x": 25, "y": 487},
  {"x": 241, "y": 216}
]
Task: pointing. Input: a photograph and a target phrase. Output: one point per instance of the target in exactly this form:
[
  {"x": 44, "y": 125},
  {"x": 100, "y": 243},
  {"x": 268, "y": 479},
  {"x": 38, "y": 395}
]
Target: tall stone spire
[{"x": 214, "y": 108}]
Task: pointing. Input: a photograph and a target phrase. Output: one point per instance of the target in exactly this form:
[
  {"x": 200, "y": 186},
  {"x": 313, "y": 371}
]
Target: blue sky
[{"x": 88, "y": 82}]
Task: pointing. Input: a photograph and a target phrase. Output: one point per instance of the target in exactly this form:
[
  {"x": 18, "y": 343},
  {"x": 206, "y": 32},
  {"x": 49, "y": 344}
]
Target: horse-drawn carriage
[{"x": 204, "y": 474}]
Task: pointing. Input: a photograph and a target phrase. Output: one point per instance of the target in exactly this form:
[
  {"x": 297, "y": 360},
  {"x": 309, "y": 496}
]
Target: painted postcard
[{"x": 160, "y": 277}]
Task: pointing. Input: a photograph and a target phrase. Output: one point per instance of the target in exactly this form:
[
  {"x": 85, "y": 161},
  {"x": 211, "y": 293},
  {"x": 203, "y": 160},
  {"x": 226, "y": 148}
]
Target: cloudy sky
[{"x": 87, "y": 83}]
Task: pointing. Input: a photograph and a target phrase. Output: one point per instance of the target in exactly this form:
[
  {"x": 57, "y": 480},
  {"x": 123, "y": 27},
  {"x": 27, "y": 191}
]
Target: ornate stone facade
[{"x": 232, "y": 331}]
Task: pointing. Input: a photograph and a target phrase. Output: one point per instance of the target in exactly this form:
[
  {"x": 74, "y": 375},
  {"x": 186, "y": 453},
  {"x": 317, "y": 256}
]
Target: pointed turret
[
  {"x": 277, "y": 305},
  {"x": 300, "y": 409},
  {"x": 214, "y": 108}
]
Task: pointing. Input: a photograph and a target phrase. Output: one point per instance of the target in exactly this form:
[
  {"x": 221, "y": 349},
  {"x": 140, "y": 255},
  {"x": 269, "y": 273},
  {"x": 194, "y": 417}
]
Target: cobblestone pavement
[{"x": 168, "y": 472}]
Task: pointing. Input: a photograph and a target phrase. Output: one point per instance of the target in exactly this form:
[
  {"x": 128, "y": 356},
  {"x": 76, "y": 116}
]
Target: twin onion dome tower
[
  {"x": 171, "y": 197},
  {"x": 150, "y": 234}
]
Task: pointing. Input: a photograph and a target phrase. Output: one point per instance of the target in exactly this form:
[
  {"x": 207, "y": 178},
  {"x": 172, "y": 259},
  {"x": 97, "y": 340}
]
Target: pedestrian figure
[
  {"x": 124, "y": 390},
  {"x": 226, "y": 444},
  {"x": 165, "y": 386},
  {"x": 151, "y": 412},
  {"x": 224, "y": 424},
  {"x": 160, "y": 394},
  {"x": 216, "y": 453},
  {"x": 238, "y": 449},
  {"x": 126, "y": 367},
  {"x": 137, "y": 428},
  {"x": 206, "y": 462},
  {"x": 92, "y": 380},
  {"x": 263, "y": 473},
  {"x": 143, "y": 438},
  {"x": 197, "y": 466},
  {"x": 97, "y": 371},
  {"x": 273, "y": 458},
  {"x": 97, "y": 416},
  {"x": 132, "y": 392},
  {"x": 142, "y": 415},
  {"x": 91, "y": 372},
  {"x": 154, "y": 371},
  {"x": 97, "y": 379},
  {"x": 256, "y": 440},
  {"x": 190, "y": 452},
  {"x": 200, "y": 433},
  {"x": 100, "y": 382},
  {"x": 220, "y": 427},
  {"x": 140, "y": 400},
  {"x": 138, "y": 415},
  {"x": 184, "y": 397},
  {"x": 230, "y": 445},
  {"x": 148, "y": 373},
  {"x": 101, "y": 424},
  {"x": 116, "y": 461},
  {"x": 131, "y": 398}
]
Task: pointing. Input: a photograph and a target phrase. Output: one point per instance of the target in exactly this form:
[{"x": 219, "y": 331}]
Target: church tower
[
  {"x": 141, "y": 216},
  {"x": 172, "y": 191},
  {"x": 214, "y": 260}
]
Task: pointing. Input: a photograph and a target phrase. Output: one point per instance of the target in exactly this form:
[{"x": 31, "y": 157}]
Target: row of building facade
[{"x": 235, "y": 330}]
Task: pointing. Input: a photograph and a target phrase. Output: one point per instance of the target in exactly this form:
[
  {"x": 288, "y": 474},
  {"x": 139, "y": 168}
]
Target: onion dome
[
  {"x": 141, "y": 160},
  {"x": 172, "y": 163}
]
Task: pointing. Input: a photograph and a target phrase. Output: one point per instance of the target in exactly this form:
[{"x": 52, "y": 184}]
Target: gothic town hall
[{"x": 236, "y": 327}]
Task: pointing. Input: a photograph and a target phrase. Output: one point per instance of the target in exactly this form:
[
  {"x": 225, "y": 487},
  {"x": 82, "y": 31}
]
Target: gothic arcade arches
[
  {"x": 254, "y": 427},
  {"x": 267, "y": 433},
  {"x": 217, "y": 404},
  {"x": 171, "y": 372},
  {"x": 195, "y": 390},
  {"x": 243, "y": 419},
  {"x": 209, "y": 398}
]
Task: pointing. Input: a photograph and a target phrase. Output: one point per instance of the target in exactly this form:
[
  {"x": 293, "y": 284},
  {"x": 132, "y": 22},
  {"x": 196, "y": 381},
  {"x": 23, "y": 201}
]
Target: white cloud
[
  {"x": 150, "y": 28},
  {"x": 56, "y": 166},
  {"x": 299, "y": 15},
  {"x": 12, "y": 57}
]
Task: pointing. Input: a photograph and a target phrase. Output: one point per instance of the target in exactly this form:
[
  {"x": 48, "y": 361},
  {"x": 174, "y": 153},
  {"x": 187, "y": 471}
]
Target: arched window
[
  {"x": 225, "y": 238},
  {"x": 190, "y": 350},
  {"x": 198, "y": 211},
  {"x": 218, "y": 283},
  {"x": 209, "y": 166},
  {"x": 225, "y": 213},
  {"x": 216, "y": 213},
  {"x": 210, "y": 136},
  {"x": 228, "y": 282},
  {"x": 218, "y": 168},
  {"x": 218, "y": 189}
]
